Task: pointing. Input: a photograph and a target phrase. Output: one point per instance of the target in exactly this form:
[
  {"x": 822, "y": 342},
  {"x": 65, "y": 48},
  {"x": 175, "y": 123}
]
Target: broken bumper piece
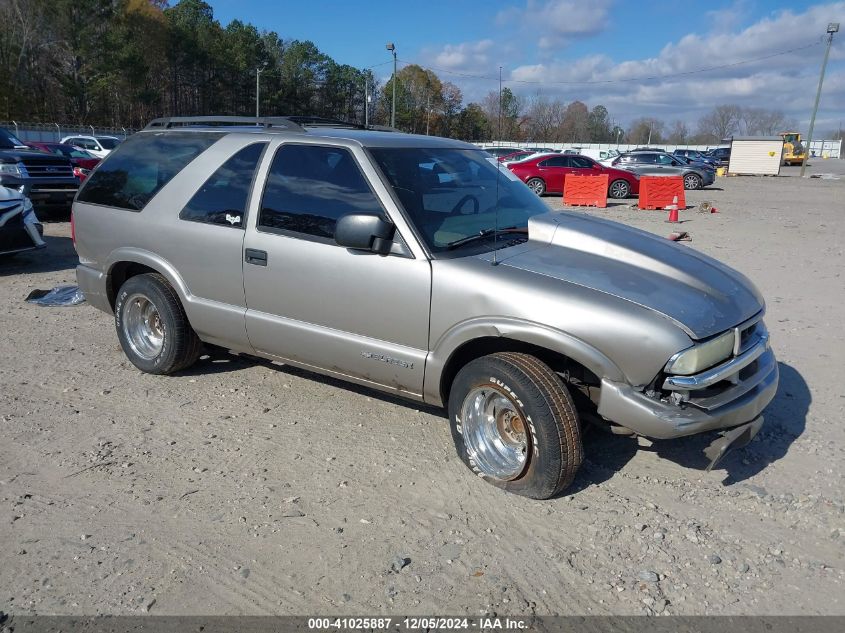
[{"x": 736, "y": 437}]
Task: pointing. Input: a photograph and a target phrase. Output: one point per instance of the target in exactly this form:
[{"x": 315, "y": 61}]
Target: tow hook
[{"x": 729, "y": 440}]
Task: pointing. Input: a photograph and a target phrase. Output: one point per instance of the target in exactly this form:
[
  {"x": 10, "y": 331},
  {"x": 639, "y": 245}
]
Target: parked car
[
  {"x": 99, "y": 146},
  {"x": 722, "y": 154},
  {"x": 82, "y": 160},
  {"x": 646, "y": 163},
  {"x": 515, "y": 156},
  {"x": 47, "y": 180},
  {"x": 501, "y": 151},
  {"x": 434, "y": 274},
  {"x": 531, "y": 156},
  {"x": 20, "y": 229},
  {"x": 695, "y": 156},
  {"x": 547, "y": 174}
]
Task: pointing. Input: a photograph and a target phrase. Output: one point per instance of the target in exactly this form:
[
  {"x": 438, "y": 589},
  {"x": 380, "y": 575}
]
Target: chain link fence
[{"x": 55, "y": 132}]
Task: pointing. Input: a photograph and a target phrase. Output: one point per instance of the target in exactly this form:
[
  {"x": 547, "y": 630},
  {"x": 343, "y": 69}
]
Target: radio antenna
[{"x": 498, "y": 175}]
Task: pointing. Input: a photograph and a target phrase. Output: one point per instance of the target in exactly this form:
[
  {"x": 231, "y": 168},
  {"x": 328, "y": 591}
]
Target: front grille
[
  {"x": 14, "y": 239},
  {"x": 69, "y": 187},
  {"x": 734, "y": 384},
  {"x": 48, "y": 169}
]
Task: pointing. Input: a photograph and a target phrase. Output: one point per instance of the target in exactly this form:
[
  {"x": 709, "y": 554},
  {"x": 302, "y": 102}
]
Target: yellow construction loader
[{"x": 793, "y": 150}]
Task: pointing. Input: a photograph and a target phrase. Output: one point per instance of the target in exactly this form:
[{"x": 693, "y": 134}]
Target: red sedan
[
  {"x": 546, "y": 174},
  {"x": 82, "y": 161}
]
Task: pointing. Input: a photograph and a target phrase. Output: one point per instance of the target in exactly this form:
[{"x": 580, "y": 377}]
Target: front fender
[{"x": 517, "y": 330}]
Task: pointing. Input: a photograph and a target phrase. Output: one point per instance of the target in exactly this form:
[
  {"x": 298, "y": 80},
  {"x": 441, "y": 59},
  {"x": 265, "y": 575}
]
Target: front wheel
[
  {"x": 619, "y": 189},
  {"x": 152, "y": 326},
  {"x": 692, "y": 181},
  {"x": 514, "y": 424},
  {"x": 537, "y": 186}
]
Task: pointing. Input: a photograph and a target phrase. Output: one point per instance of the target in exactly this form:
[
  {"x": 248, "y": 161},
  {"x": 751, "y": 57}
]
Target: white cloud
[
  {"x": 785, "y": 82},
  {"x": 464, "y": 56},
  {"x": 555, "y": 23}
]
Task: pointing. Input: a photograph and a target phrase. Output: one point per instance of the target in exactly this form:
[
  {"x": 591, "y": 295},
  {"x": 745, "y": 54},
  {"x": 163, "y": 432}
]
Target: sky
[{"x": 671, "y": 60}]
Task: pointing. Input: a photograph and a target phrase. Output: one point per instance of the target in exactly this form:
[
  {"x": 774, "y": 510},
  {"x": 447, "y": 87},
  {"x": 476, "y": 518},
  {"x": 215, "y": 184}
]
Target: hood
[{"x": 701, "y": 295}]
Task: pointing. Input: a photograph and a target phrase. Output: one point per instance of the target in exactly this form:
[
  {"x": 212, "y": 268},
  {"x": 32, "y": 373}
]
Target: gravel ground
[{"x": 246, "y": 487}]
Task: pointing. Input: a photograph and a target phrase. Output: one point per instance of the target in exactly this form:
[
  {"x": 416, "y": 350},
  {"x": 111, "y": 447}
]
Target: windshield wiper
[{"x": 484, "y": 234}]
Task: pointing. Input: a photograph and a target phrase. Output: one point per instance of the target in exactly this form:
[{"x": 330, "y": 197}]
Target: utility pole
[
  {"x": 832, "y": 28},
  {"x": 258, "y": 71},
  {"x": 427, "y": 112},
  {"x": 366, "y": 101},
  {"x": 500, "y": 106},
  {"x": 392, "y": 48}
]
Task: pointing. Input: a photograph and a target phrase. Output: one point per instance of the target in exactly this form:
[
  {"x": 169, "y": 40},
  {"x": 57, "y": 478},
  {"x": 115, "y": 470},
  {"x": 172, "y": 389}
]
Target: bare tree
[
  {"x": 762, "y": 122},
  {"x": 543, "y": 118},
  {"x": 720, "y": 123},
  {"x": 678, "y": 133},
  {"x": 645, "y": 130}
]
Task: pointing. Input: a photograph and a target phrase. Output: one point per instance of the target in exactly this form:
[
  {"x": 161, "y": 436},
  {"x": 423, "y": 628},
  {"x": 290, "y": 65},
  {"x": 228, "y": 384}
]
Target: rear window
[
  {"x": 108, "y": 143},
  {"x": 137, "y": 170}
]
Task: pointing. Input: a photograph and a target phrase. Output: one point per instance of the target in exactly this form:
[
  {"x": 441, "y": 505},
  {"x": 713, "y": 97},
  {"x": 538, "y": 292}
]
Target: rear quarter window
[{"x": 137, "y": 170}]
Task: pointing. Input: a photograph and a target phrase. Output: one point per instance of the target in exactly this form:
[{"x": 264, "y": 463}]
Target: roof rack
[
  {"x": 282, "y": 123},
  {"x": 294, "y": 123}
]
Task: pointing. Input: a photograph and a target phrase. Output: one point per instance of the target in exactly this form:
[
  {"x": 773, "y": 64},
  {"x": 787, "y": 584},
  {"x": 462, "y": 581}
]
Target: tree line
[{"x": 124, "y": 62}]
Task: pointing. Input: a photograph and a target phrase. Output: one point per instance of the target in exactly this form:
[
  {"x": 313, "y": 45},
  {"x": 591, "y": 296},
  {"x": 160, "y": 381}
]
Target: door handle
[{"x": 253, "y": 256}]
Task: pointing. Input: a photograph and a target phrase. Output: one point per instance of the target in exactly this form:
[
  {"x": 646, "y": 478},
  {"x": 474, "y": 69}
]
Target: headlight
[
  {"x": 702, "y": 356},
  {"x": 10, "y": 168}
]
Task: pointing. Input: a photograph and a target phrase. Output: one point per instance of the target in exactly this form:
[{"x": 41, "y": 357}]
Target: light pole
[
  {"x": 258, "y": 71},
  {"x": 392, "y": 48},
  {"x": 832, "y": 28}
]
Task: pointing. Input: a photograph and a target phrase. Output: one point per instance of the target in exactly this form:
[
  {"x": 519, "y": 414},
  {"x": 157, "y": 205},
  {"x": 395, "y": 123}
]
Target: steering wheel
[{"x": 456, "y": 210}]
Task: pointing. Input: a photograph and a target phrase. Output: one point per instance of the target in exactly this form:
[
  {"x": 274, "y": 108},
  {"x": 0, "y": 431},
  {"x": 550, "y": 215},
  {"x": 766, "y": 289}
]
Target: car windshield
[
  {"x": 9, "y": 140},
  {"x": 107, "y": 143},
  {"x": 453, "y": 194}
]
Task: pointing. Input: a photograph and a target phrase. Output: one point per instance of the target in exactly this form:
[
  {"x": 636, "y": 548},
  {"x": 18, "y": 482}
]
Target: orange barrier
[
  {"x": 658, "y": 192},
  {"x": 590, "y": 191}
]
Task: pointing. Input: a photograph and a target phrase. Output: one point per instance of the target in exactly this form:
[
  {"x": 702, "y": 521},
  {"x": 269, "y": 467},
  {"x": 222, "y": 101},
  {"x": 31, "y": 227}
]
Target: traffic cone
[{"x": 673, "y": 211}]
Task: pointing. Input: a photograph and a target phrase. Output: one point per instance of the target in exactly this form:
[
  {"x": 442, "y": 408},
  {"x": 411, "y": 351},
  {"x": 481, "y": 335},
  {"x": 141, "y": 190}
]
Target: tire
[
  {"x": 692, "y": 181},
  {"x": 152, "y": 327},
  {"x": 619, "y": 189},
  {"x": 538, "y": 460},
  {"x": 536, "y": 185}
]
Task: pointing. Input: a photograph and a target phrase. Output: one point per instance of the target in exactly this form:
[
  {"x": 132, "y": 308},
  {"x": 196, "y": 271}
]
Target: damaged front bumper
[{"x": 20, "y": 229}]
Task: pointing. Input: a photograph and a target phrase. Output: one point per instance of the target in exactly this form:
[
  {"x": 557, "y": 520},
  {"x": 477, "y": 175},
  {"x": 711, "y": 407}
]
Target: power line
[{"x": 627, "y": 79}]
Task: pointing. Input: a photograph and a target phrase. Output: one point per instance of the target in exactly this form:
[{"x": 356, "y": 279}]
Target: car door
[
  {"x": 352, "y": 314},
  {"x": 206, "y": 230},
  {"x": 553, "y": 172}
]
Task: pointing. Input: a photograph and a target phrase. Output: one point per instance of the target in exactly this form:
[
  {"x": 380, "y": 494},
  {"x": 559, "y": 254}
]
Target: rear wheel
[
  {"x": 619, "y": 189},
  {"x": 152, "y": 327},
  {"x": 537, "y": 186},
  {"x": 692, "y": 181},
  {"x": 514, "y": 424}
]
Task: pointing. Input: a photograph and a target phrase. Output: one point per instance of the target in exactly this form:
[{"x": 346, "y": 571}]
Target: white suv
[{"x": 99, "y": 146}]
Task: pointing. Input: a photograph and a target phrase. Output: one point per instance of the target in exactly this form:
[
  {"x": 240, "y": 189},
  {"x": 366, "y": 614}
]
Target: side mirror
[
  {"x": 596, "y": 166},
  {"x": 364, "y": 231}
]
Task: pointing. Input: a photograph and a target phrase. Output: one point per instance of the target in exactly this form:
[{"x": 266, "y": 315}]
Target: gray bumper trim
[
  {"x": 92, "y": 283},
  {"x": 624, "y": 405}
]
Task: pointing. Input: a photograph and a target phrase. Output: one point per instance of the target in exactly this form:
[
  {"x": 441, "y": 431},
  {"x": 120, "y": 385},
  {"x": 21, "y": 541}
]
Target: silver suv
[{"x": 419, "y": 266}]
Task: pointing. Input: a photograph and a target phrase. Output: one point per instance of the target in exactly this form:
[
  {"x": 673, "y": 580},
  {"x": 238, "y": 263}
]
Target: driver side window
[{"x": 310, "y": 187}]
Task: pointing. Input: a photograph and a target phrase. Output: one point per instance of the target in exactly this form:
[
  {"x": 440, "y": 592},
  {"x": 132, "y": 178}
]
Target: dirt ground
[{"x": 245, "y": 487}]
